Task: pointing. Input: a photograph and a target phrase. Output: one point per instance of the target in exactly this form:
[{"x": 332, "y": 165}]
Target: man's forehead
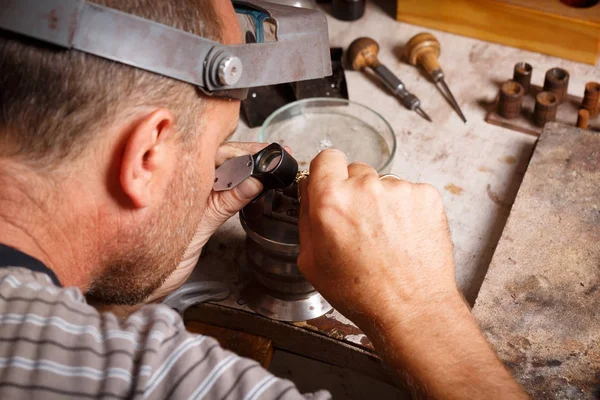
[{"x": 221, "y": 118}]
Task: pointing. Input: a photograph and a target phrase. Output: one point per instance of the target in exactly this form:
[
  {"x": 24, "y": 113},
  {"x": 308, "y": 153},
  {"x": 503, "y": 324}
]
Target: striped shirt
[{"x": 53, "y": 345}]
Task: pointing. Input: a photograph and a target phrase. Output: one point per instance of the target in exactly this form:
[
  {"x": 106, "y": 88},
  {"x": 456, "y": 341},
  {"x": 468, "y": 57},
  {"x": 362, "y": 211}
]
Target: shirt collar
[{"x": 11, "y": 257}]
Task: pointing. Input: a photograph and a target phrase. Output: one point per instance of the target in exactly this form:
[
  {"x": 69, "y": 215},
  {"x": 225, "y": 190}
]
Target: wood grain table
[{"x": 477, "y": 167}]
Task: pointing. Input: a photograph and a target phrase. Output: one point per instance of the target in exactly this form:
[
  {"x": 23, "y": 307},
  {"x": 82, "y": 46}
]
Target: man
[{"x": 106, "y": 174}]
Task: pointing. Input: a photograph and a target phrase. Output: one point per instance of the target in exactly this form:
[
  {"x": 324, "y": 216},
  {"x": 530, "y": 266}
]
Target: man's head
[{"x": 137, "y": 148}]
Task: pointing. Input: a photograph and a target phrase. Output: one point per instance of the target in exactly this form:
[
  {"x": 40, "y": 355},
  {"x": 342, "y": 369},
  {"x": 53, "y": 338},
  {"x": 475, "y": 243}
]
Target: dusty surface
[
  {"x": 485, "y": 163},
  {"x": 540, "y": 302}
]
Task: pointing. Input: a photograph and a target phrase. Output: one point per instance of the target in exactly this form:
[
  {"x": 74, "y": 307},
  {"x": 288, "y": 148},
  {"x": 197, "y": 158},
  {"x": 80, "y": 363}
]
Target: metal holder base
[
  {"x": 290, "y": 309},
  {"x": 566, "y": 114}
]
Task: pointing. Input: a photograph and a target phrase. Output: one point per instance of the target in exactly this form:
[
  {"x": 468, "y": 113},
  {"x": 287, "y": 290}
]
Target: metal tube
[
  {"x": 522, "y": 75},
  {"x": 591, "y": 98},
  {"x": 557, "y": 82},
  {"x": 409, "y": 100},
  {"x": 583, "y": 118},
  {"x": 511, "y": 100},
  {"x": 546, "y": 104}
]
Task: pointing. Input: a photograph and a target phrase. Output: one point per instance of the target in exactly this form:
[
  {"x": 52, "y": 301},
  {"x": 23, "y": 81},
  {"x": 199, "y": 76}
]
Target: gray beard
[{"x": 145, "y": 258}]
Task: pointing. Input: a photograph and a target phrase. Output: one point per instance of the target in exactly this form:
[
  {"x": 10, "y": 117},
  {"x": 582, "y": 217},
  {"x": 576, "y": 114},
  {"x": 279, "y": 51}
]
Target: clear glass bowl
[{"x": 311, "y": 125}]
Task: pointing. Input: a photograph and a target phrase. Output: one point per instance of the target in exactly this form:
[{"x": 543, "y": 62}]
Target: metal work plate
[
  {"x": 301, "y": 309},
  {"x": 540, "y": 300},
  {"x": 566, "y": 114}
]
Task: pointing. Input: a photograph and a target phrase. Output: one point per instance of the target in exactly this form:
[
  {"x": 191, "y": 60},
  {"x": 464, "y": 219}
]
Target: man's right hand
[
  {"x": 379, "y": 251},
  {"x": 376, "y": 249}
]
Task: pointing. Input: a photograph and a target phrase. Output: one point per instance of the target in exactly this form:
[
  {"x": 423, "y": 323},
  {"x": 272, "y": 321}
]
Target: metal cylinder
[
  {"x": 583, "y": 118},
  {"x": 522, "y": 75},
  {"x": 277, "y": 289},
  {"x": 276, "y": 271},
  {"x": 546, "y": 104},
  {"x": 557, "y": 82},
  {"x": 348, "y": 10},
  {"x": 511, "y": 99},
  {"x": 591, "y": 98}
]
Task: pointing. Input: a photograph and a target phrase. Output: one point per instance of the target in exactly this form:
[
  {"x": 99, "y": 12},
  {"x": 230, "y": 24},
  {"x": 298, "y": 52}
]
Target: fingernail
[
  {"x": 249, "y": 189},
  {"x": 339, "y": 151}
]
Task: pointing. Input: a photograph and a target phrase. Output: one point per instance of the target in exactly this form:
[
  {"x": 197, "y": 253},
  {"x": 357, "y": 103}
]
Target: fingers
[
  {"x": 303, "y": 202},
  {"x": 304, "y": 224},
  {"x": 328, "y": 167},
  {"x": 235, "y": 149},
  {"x": 361, "y": 170}
]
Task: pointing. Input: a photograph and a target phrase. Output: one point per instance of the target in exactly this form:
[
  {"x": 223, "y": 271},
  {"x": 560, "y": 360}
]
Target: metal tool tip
[
  {"x": 423, "y": 114},
  {"x": 448, "y": 94}
]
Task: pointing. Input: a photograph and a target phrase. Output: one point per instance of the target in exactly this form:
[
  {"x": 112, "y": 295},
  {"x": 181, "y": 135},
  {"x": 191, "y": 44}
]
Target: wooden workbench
[{"x": 477, "y": 167}]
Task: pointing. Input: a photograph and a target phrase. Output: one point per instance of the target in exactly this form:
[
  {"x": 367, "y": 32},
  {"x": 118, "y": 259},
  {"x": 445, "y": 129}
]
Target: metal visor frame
[{"x": 298, "y": 48}]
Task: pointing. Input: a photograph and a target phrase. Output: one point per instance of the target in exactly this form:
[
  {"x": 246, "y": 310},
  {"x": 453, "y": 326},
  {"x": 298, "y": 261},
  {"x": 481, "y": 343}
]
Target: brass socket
[
  {"x": 591, "y": 98},
  {"x": 511, "y": 99},
  {"x": 583, "y": 118},
  {"x": 557, "y": 82},
  {"x": 546, "y": 104},
  {"x": 522, "y": 75}
]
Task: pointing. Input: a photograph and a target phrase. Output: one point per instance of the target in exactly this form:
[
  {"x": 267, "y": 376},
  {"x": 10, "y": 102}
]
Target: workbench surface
[
  {"x": 477, "y": 167},
  {"x": 539, "y": 304}
]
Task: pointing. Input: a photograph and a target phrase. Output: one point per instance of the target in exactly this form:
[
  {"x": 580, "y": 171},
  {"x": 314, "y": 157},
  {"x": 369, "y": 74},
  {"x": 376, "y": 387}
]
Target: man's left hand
[{"x": 219, "y": 208}]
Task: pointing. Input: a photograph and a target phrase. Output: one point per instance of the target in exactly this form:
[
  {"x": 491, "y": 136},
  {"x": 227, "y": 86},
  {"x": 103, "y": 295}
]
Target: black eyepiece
[{"x": 275, "y": 167}]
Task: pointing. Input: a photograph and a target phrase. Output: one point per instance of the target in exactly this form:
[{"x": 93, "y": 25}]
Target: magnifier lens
[{"x": 270, "y": 161}]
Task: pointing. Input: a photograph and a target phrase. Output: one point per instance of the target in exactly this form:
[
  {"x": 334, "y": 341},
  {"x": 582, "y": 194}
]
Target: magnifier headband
[{"x": 283, "y": 44}]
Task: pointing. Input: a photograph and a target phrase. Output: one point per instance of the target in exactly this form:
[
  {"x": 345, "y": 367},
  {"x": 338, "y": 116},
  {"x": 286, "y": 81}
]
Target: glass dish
[{"x": 311, "y": 125}]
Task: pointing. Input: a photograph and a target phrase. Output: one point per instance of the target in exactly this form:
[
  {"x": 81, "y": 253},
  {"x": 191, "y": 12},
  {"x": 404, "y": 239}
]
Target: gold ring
[
  {"x": 300, "y": 176},
  {"x": 382, "y": 177}
]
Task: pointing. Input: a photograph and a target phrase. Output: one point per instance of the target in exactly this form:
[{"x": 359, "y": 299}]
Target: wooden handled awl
[
  {"x": 424, "y": 50},
  {"x": 362, "y": 54}
]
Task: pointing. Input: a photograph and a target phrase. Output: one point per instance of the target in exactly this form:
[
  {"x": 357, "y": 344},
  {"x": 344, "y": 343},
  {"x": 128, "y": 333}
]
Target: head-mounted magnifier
[{"x": 282, "y": 44}]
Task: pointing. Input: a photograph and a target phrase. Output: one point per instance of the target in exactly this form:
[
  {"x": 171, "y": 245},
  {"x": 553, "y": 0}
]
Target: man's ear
[{"x": 149, "y": 157}]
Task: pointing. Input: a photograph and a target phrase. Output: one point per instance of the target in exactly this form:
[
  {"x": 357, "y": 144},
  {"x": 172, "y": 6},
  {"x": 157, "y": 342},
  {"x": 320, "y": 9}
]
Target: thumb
[
  {"x": 245, "y": 192},
  {"x": 220, "y": 207},
  {"x": 223, "y": 205}
]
